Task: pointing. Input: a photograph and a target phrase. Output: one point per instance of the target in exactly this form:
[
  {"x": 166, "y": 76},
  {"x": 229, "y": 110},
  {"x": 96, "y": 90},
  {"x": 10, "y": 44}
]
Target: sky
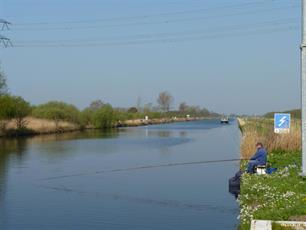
[{"x": 238, "y": 56}]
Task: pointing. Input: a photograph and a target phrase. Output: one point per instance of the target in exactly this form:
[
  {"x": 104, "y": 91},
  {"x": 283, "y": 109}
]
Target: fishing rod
[{"x": 143, "y": 168}]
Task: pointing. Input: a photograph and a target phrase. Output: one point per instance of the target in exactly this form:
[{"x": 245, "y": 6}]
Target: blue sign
[{"x": 282, "y": 122}]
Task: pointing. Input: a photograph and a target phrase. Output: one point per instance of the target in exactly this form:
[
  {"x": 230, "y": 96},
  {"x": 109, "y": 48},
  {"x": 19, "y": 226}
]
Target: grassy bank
[
  {"x": 19, "y": 117},
  {"x": 281, "y": 195},
  {"x": 35, "y": 126},
  {"x": 262, "y": 130}
]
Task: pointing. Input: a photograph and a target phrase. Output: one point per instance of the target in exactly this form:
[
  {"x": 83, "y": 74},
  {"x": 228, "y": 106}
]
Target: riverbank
[
  {"x": 281, "y": 195},
  {"x": 36, "y": 126},
  {"x": 143, "y": 122}
]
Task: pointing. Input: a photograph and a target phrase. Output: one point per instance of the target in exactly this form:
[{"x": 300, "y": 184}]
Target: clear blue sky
[{"x": 237, "y": 56}]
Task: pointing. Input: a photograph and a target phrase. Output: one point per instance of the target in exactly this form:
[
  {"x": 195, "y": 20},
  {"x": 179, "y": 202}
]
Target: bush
[
  {"x": 13, "y": 107},
  {"x": 87, "y": 117},
  {"x": 104, "y": 117},
  {"x": 132, "y": 110},
  {"x": 279, "y": 196},
  {"x": 3, "y": 85},
  {"x": 262, "y": 130},
  {"x": 22, "y": 109},
  {"x": 6, "y": 107},
  {"x": 58, "y": 111}
]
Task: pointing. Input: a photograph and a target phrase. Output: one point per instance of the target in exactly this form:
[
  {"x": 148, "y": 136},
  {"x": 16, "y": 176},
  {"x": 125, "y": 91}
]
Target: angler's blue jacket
[{"x": 260, "y": 156}]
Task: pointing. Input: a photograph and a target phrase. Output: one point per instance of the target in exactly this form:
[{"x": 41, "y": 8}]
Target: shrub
[
  {"x": 58, "y": 111},
  {"x": 104, "y": 117},
  {"x": 87, "y": 117},
  {"x": 13, "y": 107},
  {"x": 132, "y": 110},
  {"x": 262, "y": 130},
  {"x": 22, "y": 109}
]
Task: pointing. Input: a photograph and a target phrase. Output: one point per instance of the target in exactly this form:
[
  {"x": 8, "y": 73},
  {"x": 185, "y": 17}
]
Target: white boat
[{"x": 224, "y": 120}]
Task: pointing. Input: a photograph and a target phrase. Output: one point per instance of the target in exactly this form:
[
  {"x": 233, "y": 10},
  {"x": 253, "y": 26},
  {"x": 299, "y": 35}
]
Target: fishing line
[
  {"x": 141, "y": 168},
  {"x": 150, "y": 201}
]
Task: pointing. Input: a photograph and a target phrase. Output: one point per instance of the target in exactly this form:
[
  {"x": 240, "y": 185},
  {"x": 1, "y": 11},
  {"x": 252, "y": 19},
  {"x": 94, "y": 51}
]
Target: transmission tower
[{"x": 4, "y": 41}]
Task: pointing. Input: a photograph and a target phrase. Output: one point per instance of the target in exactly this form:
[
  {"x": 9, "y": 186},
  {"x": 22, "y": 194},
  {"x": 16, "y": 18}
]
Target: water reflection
[
  {"x": 15, "y": 149},
  {"x": 89, "y": 134},
  {"x": 10, "y": 149},
  {"x": 96, "y": 179}
]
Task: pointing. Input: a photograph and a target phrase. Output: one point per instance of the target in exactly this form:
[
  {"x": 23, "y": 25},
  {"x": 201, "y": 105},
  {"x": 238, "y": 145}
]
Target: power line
[
  {"x": 228, "y": 6},
  {"x": 156, "y": 41},
  {"x": 165, "y": 21},
  {"x": 184, "y": 33}
]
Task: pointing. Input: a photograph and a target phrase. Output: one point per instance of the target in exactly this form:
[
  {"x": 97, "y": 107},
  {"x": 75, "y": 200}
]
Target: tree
[
  {"x": 147, "y": 108},
  {"x": 13, "y": 107},
  {"x": 6, "y": 110},
  {"x": 95, "y": 105},
  {"x": 57, "y": 111},
  {"x": 3, "y": 86},
  {"x": 132, "y": 110},
  {"x": 164, "y": 101},
  {"x": 104, "y": 117},
  {"x": 22, "y": 109},
  {"x": 183, "y": 107},
  {"x": 87, "y": 117},
  {"x": 139, "y": 103}
]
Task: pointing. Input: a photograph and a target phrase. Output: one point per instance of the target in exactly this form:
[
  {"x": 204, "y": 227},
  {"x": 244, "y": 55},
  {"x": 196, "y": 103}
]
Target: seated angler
[{"x": 259, "y": 158}]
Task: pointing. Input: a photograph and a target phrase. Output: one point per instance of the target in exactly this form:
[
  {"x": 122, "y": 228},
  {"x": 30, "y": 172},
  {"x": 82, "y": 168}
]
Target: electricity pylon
[{"x": 4, "y": 41}]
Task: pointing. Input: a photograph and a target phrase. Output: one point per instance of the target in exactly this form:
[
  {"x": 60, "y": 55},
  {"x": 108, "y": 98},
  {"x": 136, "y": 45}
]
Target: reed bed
[
  {"x": 43, "y": 125},
  {"x": 262, "y": 130}
]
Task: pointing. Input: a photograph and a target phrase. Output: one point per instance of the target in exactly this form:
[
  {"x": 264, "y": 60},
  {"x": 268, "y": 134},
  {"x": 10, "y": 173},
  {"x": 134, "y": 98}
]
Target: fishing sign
[{"x": 282, "y": 122}]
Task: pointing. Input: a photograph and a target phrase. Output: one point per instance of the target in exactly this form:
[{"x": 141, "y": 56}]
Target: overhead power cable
[
  {"x": 142, "y": 23},
  {"x": 167, "y": 34},
  {"x": 161, "y": 40},
  {"x": 227, "y": 6}
]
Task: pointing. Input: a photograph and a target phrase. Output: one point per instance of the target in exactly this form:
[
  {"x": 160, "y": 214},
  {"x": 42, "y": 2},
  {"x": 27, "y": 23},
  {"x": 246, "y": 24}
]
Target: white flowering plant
[{"x": 277, "y": 196}]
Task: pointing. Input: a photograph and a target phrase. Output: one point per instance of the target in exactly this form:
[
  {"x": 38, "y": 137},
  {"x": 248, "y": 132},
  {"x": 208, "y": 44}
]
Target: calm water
[{"x": 65, "y": 181}]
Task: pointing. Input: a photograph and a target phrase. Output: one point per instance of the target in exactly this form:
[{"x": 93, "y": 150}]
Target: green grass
[
  {"x": 279, "y": 227},
  {"x": 274, "y": 197}
]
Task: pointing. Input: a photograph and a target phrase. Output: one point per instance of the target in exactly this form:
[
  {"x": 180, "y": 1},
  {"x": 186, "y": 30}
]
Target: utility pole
[
  {"x": 303, "y": 85},
  {"x": 4, "y": 41}
]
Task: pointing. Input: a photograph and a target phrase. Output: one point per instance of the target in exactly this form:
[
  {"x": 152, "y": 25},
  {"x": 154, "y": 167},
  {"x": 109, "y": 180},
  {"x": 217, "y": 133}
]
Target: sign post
[{"x": 282, "y": 122}]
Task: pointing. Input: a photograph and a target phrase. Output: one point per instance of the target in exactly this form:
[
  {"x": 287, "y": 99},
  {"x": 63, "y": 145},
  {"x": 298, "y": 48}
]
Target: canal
[{"x": 105, "y": 180}]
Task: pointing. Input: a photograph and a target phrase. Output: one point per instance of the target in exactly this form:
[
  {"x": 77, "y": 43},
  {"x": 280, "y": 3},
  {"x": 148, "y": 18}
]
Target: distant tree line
[
  {"x": 97, "y": 115},
  {"x": 295, "y": 113}
]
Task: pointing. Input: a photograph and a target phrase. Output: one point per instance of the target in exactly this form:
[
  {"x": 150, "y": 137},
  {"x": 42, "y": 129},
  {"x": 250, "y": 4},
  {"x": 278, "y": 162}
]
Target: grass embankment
[
  {"x": 34, "y": 126},
  {"x": 281, "y": 195}
]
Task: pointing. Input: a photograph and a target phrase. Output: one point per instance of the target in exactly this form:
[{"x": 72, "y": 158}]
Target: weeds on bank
[
  {"x": 280, "y": 227},
  {"x": 274, "y": 197},
  {"x": 262, "y": 130}
]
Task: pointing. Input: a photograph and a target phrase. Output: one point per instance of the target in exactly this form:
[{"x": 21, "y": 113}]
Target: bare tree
[
  {"x": 139, "y": 103},
  {"x": 183, "y": 107},
  {"x": 3, "y": 86},
  {"x": 147, "y": 108},
  {"x": 164, "y": 101},
  {"x": 97, "y": 104}
]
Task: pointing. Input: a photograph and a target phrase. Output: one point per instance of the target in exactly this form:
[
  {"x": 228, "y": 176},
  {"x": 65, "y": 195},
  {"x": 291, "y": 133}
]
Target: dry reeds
[
  {"x": 262, "y": 130},
  {"x": 44, "y": 125}
]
